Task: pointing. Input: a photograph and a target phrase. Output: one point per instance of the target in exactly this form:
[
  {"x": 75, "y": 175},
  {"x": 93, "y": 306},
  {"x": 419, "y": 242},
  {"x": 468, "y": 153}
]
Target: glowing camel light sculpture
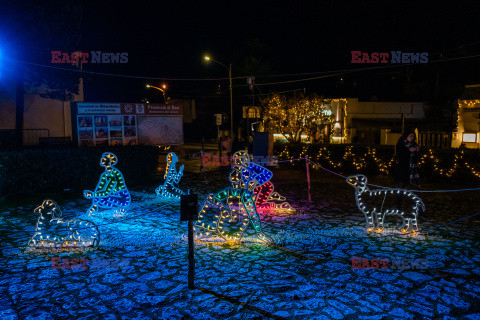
[
  {"x": 53, "y": 231},
  {"x": 111, "y": 191},
  {"x": 223, "y": 202},
  {"x": 170, "y": 188},
  {"x": 257, "y": 179},
  {"x": 375, "y": 216}
]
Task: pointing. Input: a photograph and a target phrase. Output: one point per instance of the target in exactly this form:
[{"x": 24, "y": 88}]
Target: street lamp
[
  {"x": 163, "y": 89},
  {"x": 208, "y": 59}
]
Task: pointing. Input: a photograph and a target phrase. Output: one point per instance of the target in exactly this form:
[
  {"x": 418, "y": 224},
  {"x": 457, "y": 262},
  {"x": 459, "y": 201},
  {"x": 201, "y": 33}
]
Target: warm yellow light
[
  {"x": 148, "y": 86},
  {"x": 207, "y": 58},
  {"x": 164, "y": 86}
]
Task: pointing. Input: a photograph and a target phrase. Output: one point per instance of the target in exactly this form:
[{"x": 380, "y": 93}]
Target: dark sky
[{"x": 169, "y": 38}]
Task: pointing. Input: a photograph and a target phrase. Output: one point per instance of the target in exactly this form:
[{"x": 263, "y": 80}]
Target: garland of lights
[
  {"x": 224, "y": 201},
  {"x": 111, "y": 191},
  {"x": 374, "y": 216},
  {"x": 257, "y": 179},
  {"x": 170, "y": 189},
  {"x": 359, "y": 162},
  {"x": 53, "y": 231}
]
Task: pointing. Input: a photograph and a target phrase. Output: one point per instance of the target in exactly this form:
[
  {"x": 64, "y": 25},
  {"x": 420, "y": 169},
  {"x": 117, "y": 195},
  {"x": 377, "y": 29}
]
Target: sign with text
[
  {"x": 251, "y": 112},
  {"x": 218, "y": 119},
  {"x": 117, "y": 124}
]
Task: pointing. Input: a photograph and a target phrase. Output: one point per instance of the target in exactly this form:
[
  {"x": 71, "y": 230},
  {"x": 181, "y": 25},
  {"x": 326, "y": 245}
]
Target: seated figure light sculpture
[
  {"x": 170, "y": 187},
  {"x": 53, "y": 231},
  {"x": 223, "y": 200},
  {"x": 111, "y": 191},
  {"x": 257, "y": 178},
  {"x": 376, "y": 204}
]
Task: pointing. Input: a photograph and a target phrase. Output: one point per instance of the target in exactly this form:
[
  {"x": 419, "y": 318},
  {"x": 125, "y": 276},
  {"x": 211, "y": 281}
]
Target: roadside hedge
[{"x": 59, "y": 169}]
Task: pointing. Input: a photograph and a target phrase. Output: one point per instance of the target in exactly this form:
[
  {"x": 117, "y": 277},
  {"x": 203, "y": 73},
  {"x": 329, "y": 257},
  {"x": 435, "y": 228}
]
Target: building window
[{"x": 469, "y": 137}]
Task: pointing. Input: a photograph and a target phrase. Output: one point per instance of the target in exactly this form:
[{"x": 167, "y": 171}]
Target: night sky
[{"x": 169, "y": 38}]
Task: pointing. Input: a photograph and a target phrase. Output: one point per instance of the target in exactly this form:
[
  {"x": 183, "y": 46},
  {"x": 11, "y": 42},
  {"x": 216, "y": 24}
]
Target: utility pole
[
  {"x": 231, "y": 102},
  {"x": 20, "y": 108}
]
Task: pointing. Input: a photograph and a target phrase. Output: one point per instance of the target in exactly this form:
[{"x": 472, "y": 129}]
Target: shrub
[{"x": 57, "y": 169}]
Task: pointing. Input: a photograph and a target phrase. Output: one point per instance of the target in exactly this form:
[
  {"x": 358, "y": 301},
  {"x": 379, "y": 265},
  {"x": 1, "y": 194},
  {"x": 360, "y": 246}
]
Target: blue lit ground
[{"x": 306, "y": 277}]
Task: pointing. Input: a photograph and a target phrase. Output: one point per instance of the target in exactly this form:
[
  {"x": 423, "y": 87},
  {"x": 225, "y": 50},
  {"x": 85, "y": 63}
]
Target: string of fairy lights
[{"x": 360, "y": 161}]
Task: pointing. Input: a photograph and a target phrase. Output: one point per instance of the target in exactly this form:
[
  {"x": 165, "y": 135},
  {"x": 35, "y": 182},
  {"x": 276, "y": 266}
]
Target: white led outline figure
[
  {"x": 258, "y": 180},
  {"x": 223, "y": 200},
  {"x": 111, "y": 190},
  {"x": 374, "y": 218},
  {"x": 170, "y": 188},
  {"x": 52, "y": 230}
]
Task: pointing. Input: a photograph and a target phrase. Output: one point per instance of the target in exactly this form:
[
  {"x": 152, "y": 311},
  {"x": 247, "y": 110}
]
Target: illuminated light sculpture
[
  {"x": 53, "y": 231},
  {"x": 257, "y": 179},
  {"x": 223, "y": 201},
  {"x": 375, "y": 214},
  {"x": 170, "y": 188},
  {"x": 111, "y": 191}
]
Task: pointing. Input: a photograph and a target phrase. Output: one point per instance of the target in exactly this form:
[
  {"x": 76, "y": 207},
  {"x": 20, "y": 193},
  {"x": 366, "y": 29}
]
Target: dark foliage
[{"x": 75, "y": 169}]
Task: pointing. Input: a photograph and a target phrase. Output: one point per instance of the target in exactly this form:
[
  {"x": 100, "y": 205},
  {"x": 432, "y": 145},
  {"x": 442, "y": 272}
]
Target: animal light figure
[
  {"x": 375, "y": 214},
  {"x": 170, "y": 187},
  {"x": 223, "y": 202},
  {"x": 257, "y": 178},
  {"x": 111, "y": 191},
  {"x": 53, "y": 231}
]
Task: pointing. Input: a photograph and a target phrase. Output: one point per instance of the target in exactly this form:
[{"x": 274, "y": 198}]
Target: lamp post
[
  {"x": 207, "y": 58},
  {"x": 163, "y": 89}
]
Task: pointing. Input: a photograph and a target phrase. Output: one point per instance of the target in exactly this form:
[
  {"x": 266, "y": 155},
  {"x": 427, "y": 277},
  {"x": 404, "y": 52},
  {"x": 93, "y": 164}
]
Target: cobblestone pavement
[{"x": 140, "y": 269}]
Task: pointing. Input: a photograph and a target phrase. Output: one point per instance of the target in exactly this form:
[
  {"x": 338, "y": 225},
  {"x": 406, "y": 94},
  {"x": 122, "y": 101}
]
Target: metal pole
[
  {"x": 308, "y": 178},
  {"x": 202, "y": 151},
  {"x": 191, "y": 257},
  {"x": 19, "y": 110},
  {"x": 231, "y": 102},
  {"x": 203, "y": 161}
]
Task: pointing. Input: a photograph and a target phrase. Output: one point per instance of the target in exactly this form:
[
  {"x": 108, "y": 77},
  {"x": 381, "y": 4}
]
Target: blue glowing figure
[
  {"x": 111, "y": 191},
  {"x": 257, "y": 178},
  {"x": 54, "y": 231},
  {"x": 170, "y": 187},
  {"x": 225, "y": 201}
]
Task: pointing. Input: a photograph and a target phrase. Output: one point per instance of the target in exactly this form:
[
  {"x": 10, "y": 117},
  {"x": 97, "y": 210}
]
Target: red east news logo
[
  {"x": 89, "y": 57},
  {"x": 401, "y": 264},
  {"x": 383, "y": 57}
]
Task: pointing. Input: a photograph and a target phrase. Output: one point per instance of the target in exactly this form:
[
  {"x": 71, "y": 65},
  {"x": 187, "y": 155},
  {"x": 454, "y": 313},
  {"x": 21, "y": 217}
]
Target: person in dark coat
[
  {"x": 407, "y": 155},
  {"x": 406, "y": 152}
]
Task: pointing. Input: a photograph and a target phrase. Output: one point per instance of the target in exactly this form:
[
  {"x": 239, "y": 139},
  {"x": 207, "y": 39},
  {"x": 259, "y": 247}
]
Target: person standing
[
  {"x": 220, "y": 147},
  {"x": 406, "y": 170},
  {"x": 406, "y": 152},
  {"x": 227, "y": 144}
]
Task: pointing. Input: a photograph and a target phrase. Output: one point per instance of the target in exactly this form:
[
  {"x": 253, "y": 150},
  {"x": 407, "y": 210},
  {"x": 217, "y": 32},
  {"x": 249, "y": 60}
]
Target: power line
[
  {"x": 123, "y": 75},
  {"x": 327, "y": 75},
  {"x": 347, "y": 71}
]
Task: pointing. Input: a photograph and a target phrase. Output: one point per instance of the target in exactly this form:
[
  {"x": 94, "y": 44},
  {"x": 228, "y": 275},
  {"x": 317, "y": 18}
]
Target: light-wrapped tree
[{"x": 295, "y": 116}]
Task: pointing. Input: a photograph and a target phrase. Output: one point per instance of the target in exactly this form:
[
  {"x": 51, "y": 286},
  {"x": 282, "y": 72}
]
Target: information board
[{"x": 122, "y": 124}]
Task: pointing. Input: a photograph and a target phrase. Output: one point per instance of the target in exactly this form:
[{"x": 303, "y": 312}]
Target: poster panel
[
  {"x": 160, "y": 130},
  {"x": 116, "y": 124}
]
